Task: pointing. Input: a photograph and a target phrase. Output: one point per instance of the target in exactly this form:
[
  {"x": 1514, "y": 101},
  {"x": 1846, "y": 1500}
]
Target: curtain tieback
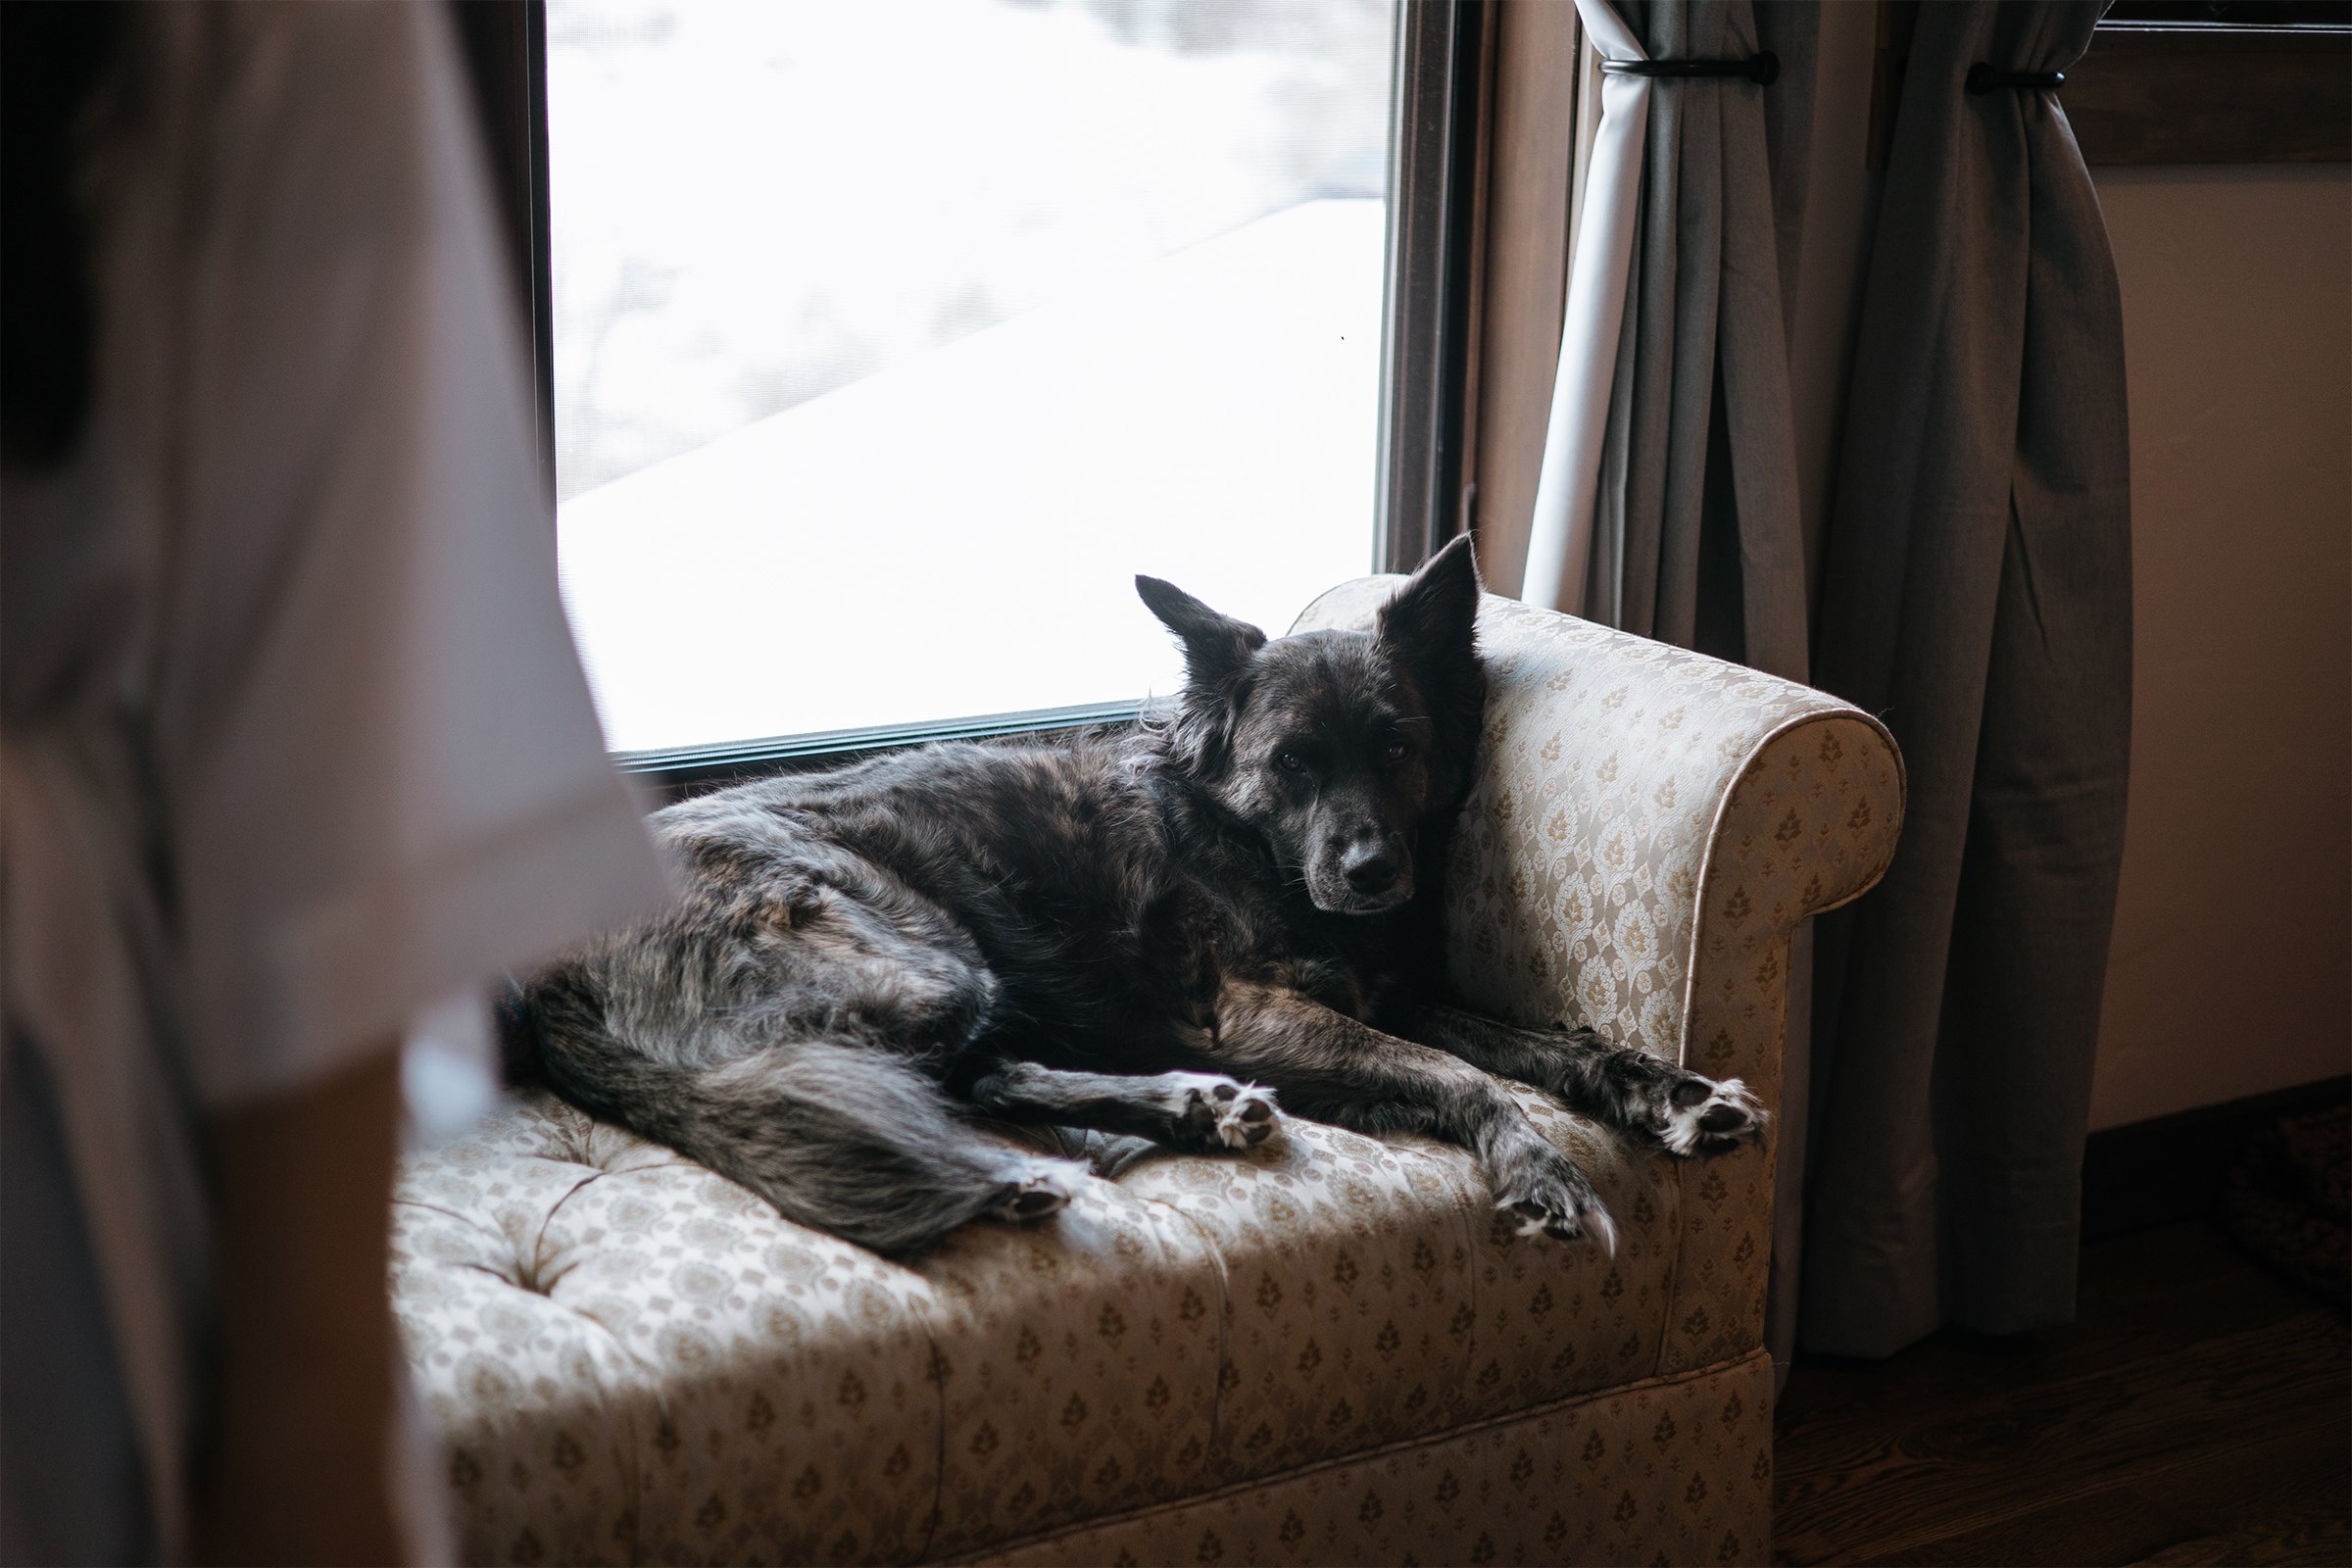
[
  {"x": 1984, "y": 78},
  {"x": 1761, "y": 69}
]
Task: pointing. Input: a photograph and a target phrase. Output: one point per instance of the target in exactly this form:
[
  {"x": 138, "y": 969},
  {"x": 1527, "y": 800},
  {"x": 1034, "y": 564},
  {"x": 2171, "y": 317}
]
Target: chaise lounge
[{"x": 1328, "y": 1350}]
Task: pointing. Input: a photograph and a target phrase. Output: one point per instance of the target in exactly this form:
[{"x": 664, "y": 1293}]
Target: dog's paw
[
  {"x": 1216, "y": 1112},
  {"x": 1551, "y": 1197},
  {"x": 1046, "y": 1191},
  {"x": 1705, "y": 1117}
]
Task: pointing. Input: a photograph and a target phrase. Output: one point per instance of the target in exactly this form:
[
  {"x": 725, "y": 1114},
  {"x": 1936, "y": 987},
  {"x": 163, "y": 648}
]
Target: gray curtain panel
[
  {"x": 1696, "y": 537},
  {"x": 1977, "y": 596}
]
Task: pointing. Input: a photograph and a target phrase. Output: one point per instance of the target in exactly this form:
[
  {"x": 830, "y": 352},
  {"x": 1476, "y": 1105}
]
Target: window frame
[
  {"x": 1428, "y": 364},
  {"x": 504, "y": 43},
  {"x": 1426, "y": 305}
]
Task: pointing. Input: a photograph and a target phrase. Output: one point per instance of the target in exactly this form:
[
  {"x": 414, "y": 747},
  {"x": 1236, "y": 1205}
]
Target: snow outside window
[{"x": 893, "y": 338}]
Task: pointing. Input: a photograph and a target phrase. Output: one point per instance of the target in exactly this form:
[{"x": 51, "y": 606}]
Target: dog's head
[{"x": 1338, "y": 747}]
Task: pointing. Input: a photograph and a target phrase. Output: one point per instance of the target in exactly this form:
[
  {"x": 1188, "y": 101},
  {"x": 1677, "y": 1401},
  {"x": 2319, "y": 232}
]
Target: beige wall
[{"x": 2233, "y": 932}]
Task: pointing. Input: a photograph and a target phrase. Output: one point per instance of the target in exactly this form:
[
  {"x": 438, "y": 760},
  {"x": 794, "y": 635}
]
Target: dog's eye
[
  {"x": 1398, "y": 752},
  {"x": 1290, "y": 762}
]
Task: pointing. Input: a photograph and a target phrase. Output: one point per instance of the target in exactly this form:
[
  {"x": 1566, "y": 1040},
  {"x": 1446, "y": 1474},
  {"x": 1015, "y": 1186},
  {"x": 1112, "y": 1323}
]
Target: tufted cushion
[{"x": 633, "y": 1359}]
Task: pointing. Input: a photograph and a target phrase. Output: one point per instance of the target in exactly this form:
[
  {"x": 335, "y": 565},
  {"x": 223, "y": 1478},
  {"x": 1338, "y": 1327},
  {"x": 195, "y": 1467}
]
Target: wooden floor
[{"x": 2199, "y": 1412}]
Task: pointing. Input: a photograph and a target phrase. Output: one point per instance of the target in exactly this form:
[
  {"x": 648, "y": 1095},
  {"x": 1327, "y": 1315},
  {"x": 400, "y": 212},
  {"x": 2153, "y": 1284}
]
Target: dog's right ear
[
  {"x": 1432, "y": 621},
  {"x": 1217, "y": 648}
]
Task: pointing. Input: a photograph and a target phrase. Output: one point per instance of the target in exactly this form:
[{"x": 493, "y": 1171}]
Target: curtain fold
[
  {"x": 1977, "y": 596},
  {"x": 1656, "y": 511}
]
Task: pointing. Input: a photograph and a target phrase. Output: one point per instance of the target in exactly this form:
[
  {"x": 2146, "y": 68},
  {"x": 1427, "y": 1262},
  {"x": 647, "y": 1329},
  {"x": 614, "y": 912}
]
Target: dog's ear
[
  {"x": 1217, "y": 648},
  {"x": 1430, "y": 623},
  {"x": 1431, "y": 628}
]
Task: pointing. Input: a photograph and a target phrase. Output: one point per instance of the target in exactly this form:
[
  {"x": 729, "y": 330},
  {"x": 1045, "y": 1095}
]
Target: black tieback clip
[
  {"x": 1984, "y": 78},
  {"x": 1761, "y": 69}
]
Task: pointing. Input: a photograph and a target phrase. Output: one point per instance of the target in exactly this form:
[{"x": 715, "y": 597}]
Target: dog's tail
[{"x": 837, "y": 1137}]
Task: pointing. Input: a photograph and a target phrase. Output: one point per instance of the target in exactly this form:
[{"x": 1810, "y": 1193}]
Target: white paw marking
[
  {"x": 1244, "y": 1114},
  {"x": 1046, "y": 1191},
  {"x": 1569, "y": 1219},
  {"x": 1728, "y": 1117}
]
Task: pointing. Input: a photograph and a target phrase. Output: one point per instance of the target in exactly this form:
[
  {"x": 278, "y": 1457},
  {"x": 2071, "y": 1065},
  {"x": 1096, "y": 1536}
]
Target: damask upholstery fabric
[
  {"x": 1648, "y": 829},
  {"x": 633, "y": 1359}
]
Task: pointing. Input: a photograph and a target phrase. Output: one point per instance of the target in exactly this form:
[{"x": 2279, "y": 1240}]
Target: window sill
[{"x": 677, "y": 773}]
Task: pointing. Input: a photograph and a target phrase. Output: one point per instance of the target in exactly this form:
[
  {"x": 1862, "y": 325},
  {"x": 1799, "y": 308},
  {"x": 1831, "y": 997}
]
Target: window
[{"x": 890, "y": 340}]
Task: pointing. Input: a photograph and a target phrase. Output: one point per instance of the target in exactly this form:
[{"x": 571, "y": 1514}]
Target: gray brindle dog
[{"x": 1148, "y": 935}]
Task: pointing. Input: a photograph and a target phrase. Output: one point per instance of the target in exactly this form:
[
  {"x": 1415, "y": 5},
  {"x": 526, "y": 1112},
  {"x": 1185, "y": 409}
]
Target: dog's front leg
[
  {"x": 1329, "y": 1067},
  {"x": 1195, "y": 1110},
  {"x": 1651, "y": 1098}
]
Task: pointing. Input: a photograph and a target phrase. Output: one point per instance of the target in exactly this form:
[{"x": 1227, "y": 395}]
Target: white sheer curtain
[{"x": 1559, "y": 545}]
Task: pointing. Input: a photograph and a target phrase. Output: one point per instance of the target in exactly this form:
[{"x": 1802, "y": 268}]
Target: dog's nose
[{"x": 1369, "y": 869}]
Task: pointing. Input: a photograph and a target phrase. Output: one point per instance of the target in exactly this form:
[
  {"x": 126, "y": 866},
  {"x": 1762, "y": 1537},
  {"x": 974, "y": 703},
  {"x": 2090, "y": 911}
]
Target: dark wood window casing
[
  {"x": 2184, "y": 81},
  {"x": 2164, "y": 92},
  {"x": 1436, "y": 177},
  {"x": 504, "y": 47}
]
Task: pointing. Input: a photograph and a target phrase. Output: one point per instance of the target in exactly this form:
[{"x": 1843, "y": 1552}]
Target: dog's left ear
[
  {"x": 1216, "y": 647},
  {"x": 1430, "y": 623}
]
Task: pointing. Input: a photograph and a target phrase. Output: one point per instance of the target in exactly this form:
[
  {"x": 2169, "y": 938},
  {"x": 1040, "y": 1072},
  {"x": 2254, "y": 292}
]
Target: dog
[{"x": 1175, "y": 934}]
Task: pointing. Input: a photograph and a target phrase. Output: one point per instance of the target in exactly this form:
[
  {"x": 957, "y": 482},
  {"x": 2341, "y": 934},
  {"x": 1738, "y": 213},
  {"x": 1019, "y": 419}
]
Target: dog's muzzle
[{"x": 1365, "y": 879}]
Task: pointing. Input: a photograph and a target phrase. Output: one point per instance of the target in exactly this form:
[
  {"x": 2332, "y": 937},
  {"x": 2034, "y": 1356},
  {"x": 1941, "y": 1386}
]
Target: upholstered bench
[{"x": 1327, "y": 1349}]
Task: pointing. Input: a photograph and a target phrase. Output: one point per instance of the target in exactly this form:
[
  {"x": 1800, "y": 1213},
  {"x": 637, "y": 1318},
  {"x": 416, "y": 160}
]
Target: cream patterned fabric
[
  {"x": 634, "y": 1360},
  {"x": 1648, "y": 827}
]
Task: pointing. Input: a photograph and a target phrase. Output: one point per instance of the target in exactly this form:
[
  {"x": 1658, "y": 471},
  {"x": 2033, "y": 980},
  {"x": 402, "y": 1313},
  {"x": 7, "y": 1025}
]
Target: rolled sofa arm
[
  {"x": 1624, "y": 788},
  {"x": 1648, "y": 829}
]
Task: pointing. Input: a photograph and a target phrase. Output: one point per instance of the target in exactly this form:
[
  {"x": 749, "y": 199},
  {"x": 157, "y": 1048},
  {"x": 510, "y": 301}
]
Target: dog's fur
[{"x": 1148, "y": 935}]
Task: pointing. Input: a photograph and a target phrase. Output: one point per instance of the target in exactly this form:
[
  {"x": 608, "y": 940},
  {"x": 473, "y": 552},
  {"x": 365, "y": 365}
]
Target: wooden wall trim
[
  {"x": 1474, "y": 240},
  {"x": 2177, "y": 92},
  {"x": 2213, "y": 94},
  {"x": 1530, "y": 169}
]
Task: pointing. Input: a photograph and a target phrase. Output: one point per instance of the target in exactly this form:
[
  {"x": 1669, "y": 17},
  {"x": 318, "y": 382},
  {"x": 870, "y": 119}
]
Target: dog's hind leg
[
  {"x": 853, "y": 1142},
  {"x": 1193, "y": 1110},
  {"x": 1647, "y": 1096},
  {"x": 840, "y": 1138}
]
